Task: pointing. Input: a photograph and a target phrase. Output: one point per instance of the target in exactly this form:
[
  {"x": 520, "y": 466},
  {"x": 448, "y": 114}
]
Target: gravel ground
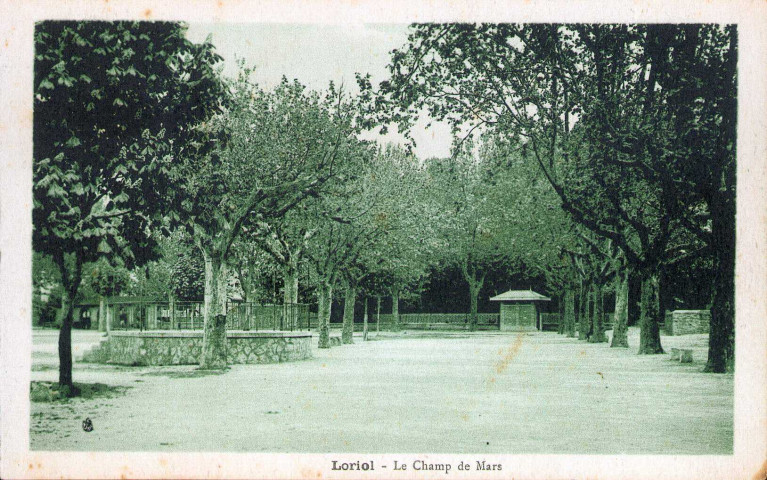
[{"x": 438, "y": 393}]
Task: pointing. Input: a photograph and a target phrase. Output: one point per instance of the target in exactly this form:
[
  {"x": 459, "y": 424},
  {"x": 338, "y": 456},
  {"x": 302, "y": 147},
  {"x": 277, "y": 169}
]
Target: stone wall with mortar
[
  {"x": 685, "y": 322},
  {"x": 184, "y": 348}
]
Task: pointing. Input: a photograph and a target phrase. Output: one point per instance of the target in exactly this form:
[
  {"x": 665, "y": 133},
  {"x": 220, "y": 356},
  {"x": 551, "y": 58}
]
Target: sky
[{"x": 315, "y": 54}]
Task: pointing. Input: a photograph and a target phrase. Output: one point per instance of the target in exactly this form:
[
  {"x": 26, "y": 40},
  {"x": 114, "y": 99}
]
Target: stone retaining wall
[
  {"x": 166, "y": 347},
  {"x": 684, "y": 322}
]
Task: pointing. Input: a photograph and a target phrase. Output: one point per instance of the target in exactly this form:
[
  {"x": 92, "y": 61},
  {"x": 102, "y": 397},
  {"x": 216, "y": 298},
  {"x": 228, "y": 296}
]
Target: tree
[
  {"x": 621, "y": 315},
  {"x": 45, "y": 279},
  {"x": 115, "y": 106},
  {"x": 254, "y": 270},
  {"x": 608, "y": 106},
  {"x": 496, "y": 211},
  {"x": 367, "y": 211},
  {"x": 105, "y": 280},
  {"x": 600, "y": 260},
  {"x": 683, "y": 93},
  {"x": 537, "y": 233},
  {"x": 398, "y": 260},
  {"x": 471, "y": 222},
  {"x": 398, "y": 224},
  {"x": 274, "y": 149},
  {"x": 177, "y": 273},
  {"x": 285, "y": 241},
  {"x": 697, "y": 69}
]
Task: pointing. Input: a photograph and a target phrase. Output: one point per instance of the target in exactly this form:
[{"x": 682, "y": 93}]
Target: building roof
[{"x": 519, "y": 296}]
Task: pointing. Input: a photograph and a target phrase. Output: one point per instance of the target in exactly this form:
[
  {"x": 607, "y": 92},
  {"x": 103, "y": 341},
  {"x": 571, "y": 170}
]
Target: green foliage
[
  {"x": 606, "y": 111},
  {"x": 45, "y": 272},
  {"x": 188, "y": 276},
  {"x": 105, "y": 279},
  {"x": 373, "y": 226},
  {"x": 256, "y": 269},
  {"x": 401, "y": 254},
  {"x": 48, "y": 310},
  {"x": 278, "y": 151},
  {"x": 274, "y": 149},
  {"x": 471, "y": 224},
  {"x": 115, "y": 103},
  {"x": 178, "y": 271}
]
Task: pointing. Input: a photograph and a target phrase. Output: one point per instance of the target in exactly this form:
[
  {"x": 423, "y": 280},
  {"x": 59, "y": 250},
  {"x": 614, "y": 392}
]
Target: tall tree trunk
[
  {"x": 378, "y": 314},
  {"x": 65, "y": 341},
  {"x": 71, "y": 283},
  {"x": 585, "y": 320},
  {"x": 290, "y": 294},
  {"x": 721, "y": 338},
  {"x": 634, "y": 298},
  {"x": 223, "y": 287},
  {"x": 561, "y": 323},
  {"x": 570, "y": 312},
  {"x": 597, "y": 320},
  {"x": 324, "y": 300},
  {"x": 214, "y": 354},
  {"x": 649, "y": 319},
  {"x": 244, "y": 284},
  {"x": 365, "y": 321},
  {"x": 395, "y": 310},
  {"x": 474, "y": 287},
  {"x": 577, "y": 307},
  {"x": 347, "y": 333},
  {"x": 102, "y": 314},
  {"x": 172, "y": 308},
  {"x": 620, "y": 318},
  {"x": 664, "y": 295},
  {"x": 290, "y": 279}
]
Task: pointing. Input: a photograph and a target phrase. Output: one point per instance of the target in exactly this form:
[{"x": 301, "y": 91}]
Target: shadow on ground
[
  {"x": 51, "y": 391},
  {"x": 196, "y": 373}
]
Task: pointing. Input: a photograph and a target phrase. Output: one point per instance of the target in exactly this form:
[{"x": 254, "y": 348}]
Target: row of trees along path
[
  {"x": 632, "y": 125},
  {"x": 578, "y": 157}
]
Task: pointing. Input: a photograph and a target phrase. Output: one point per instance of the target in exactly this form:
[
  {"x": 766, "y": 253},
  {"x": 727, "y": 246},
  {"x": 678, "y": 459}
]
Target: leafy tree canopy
[{"x": 115, "y": 106}]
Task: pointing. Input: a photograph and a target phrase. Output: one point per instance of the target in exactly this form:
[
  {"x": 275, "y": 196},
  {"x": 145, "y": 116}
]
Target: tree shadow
[
  {"x": 196, "y": 373},
  {"x": 52, "y": 392}
]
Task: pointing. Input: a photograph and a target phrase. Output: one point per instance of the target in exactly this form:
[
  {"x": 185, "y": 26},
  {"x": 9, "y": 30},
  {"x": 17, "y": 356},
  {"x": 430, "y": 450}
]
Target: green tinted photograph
[{"x": 479, "y": 238}]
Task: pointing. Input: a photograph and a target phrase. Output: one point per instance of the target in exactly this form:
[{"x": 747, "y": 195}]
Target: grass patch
[{"x": 53, "y": 392}]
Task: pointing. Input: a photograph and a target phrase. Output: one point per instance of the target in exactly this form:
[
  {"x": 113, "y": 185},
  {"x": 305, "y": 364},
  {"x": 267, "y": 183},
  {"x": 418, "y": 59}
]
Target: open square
[{"x": 413, "y": 392}]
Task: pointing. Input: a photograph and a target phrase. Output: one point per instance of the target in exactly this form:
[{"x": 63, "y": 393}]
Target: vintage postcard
[{"x": 504, "y": 239}]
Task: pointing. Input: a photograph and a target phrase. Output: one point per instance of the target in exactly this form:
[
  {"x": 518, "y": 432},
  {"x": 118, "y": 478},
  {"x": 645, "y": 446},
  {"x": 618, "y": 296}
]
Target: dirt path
[{"x": 538, "y": 393}]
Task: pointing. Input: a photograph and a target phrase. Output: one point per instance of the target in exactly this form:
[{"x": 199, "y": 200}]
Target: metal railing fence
[
  {"x": 254, "y": 316},
  {"x": 186, "y": 315}
]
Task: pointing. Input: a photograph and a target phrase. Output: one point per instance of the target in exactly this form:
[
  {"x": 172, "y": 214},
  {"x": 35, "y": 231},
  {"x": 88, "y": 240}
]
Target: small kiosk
[{"x": 519, "y": 310}]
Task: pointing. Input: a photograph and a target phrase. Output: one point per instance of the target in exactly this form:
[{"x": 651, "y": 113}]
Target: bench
[{"x": 683, "y": 355}]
